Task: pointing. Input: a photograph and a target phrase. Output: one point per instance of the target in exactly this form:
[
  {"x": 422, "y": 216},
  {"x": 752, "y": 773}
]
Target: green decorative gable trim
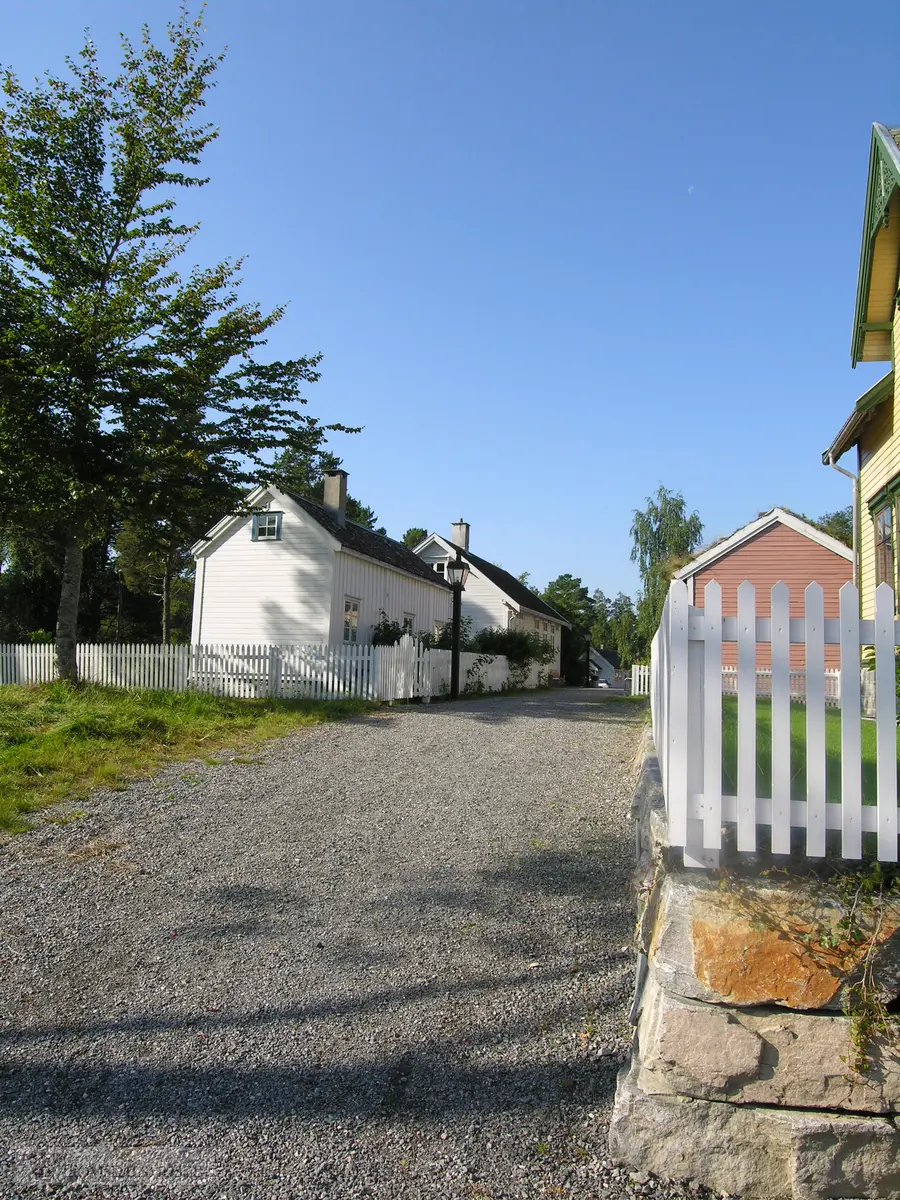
[
  {"x": 866, "y": 404},
  {"x": 884, "y": 178}
]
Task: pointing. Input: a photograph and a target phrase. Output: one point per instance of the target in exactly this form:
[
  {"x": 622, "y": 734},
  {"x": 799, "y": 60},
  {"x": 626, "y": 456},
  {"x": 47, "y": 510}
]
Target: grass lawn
[
  {"x": 798, "y": 751},
  {"x": 57, "y": 741}
]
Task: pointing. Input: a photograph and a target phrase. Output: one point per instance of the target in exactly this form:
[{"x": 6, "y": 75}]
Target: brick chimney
[
  {"x": 460, "y": 535},
  {"x": 335, "y": 501}
]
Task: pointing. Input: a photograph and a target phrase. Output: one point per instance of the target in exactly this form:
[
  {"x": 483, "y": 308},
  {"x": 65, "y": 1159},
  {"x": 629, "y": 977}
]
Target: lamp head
[{"x": 457, "y": 572}]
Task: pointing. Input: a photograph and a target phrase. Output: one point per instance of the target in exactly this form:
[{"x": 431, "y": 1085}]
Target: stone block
[
  {"x": 757, "y": 1056},
  {"x": 754, "y": 942},
  {"x": 756, "y": 1153}
]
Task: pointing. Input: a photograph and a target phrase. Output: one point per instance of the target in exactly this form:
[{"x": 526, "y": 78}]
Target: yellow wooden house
[{"x": 873, "y": 428}]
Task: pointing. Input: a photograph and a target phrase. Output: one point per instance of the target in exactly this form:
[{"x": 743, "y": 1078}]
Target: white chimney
[
  {"x": 460, "y": 535},
  {"x": 336, "y": 495}
]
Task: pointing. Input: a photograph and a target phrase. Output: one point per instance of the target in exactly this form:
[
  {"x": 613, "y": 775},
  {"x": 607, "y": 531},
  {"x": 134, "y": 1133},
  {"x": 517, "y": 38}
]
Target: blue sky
[{"x": 554, "y": 253}]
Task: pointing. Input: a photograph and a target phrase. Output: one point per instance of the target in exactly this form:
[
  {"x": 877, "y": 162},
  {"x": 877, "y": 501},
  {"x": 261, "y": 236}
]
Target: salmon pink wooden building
[{"x": 777, "y": 547}]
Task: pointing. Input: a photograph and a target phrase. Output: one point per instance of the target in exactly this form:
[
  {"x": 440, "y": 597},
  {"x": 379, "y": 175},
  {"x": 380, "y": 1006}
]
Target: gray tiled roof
[
  {"x": 371, "y": 544},
  {"x": 512, "y": 587}
]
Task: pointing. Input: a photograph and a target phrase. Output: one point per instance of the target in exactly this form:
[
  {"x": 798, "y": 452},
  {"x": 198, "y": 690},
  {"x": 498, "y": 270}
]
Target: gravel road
[{"x": 386, "y": 958}]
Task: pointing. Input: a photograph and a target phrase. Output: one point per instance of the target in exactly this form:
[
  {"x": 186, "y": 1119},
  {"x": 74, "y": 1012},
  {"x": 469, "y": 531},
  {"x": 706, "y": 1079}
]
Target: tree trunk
[
  {"x": 67, "y": 614},
  {"x": 167, "y": 607}
]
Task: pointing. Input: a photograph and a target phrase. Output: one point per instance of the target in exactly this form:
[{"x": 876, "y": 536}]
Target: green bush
[
  {"x": 520, "y": 648},
  {"x": 386, "y": 632}
]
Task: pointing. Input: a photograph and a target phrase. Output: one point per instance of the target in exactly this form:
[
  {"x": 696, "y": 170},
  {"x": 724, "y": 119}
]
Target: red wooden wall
[{"x": 776, "y": 554}]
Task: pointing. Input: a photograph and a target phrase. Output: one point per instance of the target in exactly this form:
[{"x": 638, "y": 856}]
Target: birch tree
[{"x": 664, "y": 535}]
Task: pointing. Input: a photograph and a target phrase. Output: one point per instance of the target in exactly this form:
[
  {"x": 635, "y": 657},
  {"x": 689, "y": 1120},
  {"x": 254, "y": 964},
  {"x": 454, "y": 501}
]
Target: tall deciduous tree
[
  {"x": 839, "y": 524},
  {"x": 664, "y": 535},
  {"x": 601, "y": 633},
  {"x": 623, "y": 629},
  {"x": 118, "y": 374}
]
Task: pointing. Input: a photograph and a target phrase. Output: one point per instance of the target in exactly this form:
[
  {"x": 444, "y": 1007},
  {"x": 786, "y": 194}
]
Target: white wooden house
[
  {"x": 604, "y": 664},
  {"x": 291, "y": 572},
  {"x": 493, "y": 598}
]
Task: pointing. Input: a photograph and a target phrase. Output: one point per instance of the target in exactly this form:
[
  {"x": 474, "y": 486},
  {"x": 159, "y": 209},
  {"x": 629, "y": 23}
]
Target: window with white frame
[
  {"x": 267, "y": 527},
  {"x": 351, "y": 618},
  {"x": 439, "y": 567},
  {"x": 409, "y": 620}
]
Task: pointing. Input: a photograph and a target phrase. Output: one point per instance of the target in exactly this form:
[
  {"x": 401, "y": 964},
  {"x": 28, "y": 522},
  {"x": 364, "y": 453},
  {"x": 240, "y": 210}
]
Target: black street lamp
[{"x": 457, "y": 574}]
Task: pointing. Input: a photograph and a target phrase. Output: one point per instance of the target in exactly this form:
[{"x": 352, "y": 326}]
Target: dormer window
[
  {"x": 439, "y": 567},
  {"x": 267, "y": 526}
]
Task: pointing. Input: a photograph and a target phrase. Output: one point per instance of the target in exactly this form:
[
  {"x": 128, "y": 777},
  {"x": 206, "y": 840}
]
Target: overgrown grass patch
[
  {"x": 58, "y": 741},
  {"x": 798, "y": 751}
]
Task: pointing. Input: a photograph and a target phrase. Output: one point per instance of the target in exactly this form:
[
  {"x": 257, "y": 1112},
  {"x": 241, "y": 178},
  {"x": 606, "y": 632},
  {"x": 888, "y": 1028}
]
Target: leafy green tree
[
  {"x": 839, "y": 524},
  {"x": 152, "y": 558},
  {"x": 623, "y": 630},
  {"x": 524, "y": 579},
  {"x": 601, "y": 632},
  {"x": 664, "y": 536},
  {"x": 116, "y": 370},
  {"x": 301, "y": 468},
  {"x": 571, "y": 598},
  {"x": 414, "y": 536}
]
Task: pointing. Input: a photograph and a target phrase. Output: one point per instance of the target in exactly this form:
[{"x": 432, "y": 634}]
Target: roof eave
[
  {"x": 884, "y": 151},
  {"x": 776, "y": 516},
  {"x": 555, "y": 616},
  {"x": 437, "y": 582},
  {"x": 849, "y": 432}
]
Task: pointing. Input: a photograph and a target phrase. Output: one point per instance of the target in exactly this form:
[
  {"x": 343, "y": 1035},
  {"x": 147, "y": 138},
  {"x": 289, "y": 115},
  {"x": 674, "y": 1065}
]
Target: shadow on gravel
[
  {"x": 208, "y": 1024},
  {"x": 415, "y": 1082},
  {"x": 66, "y": 1073},
  {"x": 500, "y": 903}
]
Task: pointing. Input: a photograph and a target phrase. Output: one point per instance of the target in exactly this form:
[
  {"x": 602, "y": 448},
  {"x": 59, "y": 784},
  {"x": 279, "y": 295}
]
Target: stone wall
[{"x": 741, "y": 1074}]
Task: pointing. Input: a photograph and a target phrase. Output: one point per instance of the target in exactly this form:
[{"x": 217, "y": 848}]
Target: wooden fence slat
[
  {"x": 712, "y": 717},
  {"x": 886, "y": 723},
  {"x": 677, "y": 749},
  {"x": 815, "y": 721},
  {"x": 851, "y": 718},
  {"x": 781, "y": 719},
  {"x": 746, "y": 744}
]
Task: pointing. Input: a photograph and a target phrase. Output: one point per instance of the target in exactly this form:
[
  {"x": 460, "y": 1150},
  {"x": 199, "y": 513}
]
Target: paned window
[
  {"x": 409, "y": 619},
  {"x": 351, "y": 618},
  {"x": 884, "y": 546},
  {"x": 439, "y": 567},
  {"x": 267, "y": 527}
]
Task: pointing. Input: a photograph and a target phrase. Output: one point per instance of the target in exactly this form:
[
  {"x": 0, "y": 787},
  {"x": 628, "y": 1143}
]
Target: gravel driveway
[{"x": 386, "y": 958}]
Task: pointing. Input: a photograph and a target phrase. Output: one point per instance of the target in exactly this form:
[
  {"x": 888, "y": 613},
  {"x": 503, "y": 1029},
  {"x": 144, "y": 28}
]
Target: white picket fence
[
  {"x": 640, "y": 679},
  {"x": 686, "y": 690},
  {"x": 401, "y": 672},
  {"x": 640, "y": 683}
]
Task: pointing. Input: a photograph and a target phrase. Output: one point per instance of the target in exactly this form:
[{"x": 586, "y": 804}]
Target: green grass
[
  {"x": 57, "y": 741},
  {"x": 798, "y": 751}
]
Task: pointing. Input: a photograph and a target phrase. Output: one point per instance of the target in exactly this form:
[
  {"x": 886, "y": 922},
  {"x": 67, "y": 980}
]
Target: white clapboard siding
[{"x": 688, "y": 728}]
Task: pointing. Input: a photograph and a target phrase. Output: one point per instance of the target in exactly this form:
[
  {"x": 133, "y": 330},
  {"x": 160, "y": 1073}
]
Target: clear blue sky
[{"x": 554, "y": 253}]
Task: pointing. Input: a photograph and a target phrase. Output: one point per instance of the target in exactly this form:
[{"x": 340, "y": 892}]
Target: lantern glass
[{"x": 457, "y": 573}]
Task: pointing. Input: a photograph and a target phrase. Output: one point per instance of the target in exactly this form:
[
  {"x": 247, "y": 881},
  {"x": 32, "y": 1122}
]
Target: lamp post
[{"x": 457, "y": 574}]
